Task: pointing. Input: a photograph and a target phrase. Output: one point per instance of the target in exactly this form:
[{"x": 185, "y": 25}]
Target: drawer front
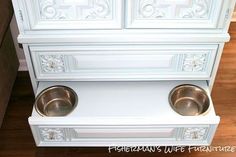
[
  {"x": 107, "y": 136},
  {"x": 176, "y": 14},
  {"x": 123, "y": 63},
  {"x": 72, "y": 14}
]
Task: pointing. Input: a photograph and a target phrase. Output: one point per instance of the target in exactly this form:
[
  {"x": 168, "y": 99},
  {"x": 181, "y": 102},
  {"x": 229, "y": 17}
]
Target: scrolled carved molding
[
  {"x": 101, "y": 9},
  {"x": 148, "y": 9},
  {"x": 163, "y": 9},
  {"x": 48, "y": 11},
  {"x": 200, "y": 9}
]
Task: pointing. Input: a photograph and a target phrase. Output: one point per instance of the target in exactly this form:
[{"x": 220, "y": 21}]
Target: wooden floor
[{"x": 16, "y": 139}]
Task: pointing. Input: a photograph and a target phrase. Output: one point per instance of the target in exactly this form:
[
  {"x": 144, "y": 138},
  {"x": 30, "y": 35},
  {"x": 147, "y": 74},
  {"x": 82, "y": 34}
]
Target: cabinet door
[
  {"x": 73, "y": 14},
  {"x": 176, "y": 13}
]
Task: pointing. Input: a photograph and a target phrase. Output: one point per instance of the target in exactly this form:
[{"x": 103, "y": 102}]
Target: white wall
[
  {"x": 234, "y": 15},
  {"x": 19, "y": 50}
]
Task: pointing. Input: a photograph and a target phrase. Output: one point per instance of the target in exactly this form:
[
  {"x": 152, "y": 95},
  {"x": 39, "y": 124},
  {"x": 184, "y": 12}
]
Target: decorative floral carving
[
  {"x": 194, "y": 62},
  {"x": 100, "y": 10},
  {"x": 52, "y": 63},
  {"x": 52, "y": 134},
  {"x": 149, "y": 9},
  {"x": 200, "y": 9},
  {"x": 75, "y": 9},
  {"x": 194, "y": 133},
  {"x": 48, "y": 11},
  {"x": 154, "y": 9}
]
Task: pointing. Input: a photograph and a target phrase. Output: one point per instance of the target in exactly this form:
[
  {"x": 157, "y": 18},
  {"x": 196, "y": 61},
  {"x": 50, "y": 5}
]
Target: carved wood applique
[
  {"x": 194, "y": 133},
  {"x": 194, "y": 62},
  {"x": 52, "y": 134},
  {"x": 75, "y": 9},
  {"x": 173, "y": 9},
  {"x": 52, "y": 63}
]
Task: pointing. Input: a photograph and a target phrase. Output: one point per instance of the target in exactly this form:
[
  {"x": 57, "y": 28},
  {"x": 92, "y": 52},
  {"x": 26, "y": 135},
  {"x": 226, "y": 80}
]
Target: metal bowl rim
[
  {"x": 188, "y": 85},
  {"x": 52, "y": 87}
]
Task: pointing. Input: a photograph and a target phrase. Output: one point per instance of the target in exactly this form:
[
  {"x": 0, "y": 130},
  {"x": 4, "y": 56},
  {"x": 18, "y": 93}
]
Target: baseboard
[{"x": 23, "y": 65}]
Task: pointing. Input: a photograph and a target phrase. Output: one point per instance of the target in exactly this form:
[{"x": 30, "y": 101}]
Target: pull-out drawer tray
[{"x": 124, "y": 113}]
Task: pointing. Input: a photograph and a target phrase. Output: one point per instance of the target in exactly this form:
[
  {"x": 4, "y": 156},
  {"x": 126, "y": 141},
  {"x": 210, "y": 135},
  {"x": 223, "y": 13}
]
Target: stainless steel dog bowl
[
  {"x": 189, "y": 100},
  {"x": 56, "y": 101}
]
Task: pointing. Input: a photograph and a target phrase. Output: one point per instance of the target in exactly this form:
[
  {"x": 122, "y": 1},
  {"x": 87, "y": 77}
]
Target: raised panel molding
[
  {"x": 170, "y": 9},
  {"x": 76, "y": 9},
  {"x": 124, "y": 62},
  {"x": 168, "y": 133}
]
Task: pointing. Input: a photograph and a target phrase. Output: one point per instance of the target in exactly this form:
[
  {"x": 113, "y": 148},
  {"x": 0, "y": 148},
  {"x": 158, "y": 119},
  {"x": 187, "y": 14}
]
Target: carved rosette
[
  {"x": 194, "y": 62},
  {"x": 76, "y": 9},
  {"x": 194, "y": 133},
  {"x": 52, "y": 134},
  {"x": 164, "y": 9},
  {"x": 52, "y": 63}
]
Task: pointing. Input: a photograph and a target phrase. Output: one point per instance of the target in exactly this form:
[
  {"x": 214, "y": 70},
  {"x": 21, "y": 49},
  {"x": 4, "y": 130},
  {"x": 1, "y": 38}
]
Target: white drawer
[
  {"x": 123, "y": 113},
  {"x": 123, "y": 62},
  {"x": 69, "y": 14},
  {"x": 194, "y": 14},
  {"x": 122, "y": 135}
]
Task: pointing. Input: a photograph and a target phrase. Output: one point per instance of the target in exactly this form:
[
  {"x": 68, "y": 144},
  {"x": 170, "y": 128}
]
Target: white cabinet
[{"x": 122, "y": 58}]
